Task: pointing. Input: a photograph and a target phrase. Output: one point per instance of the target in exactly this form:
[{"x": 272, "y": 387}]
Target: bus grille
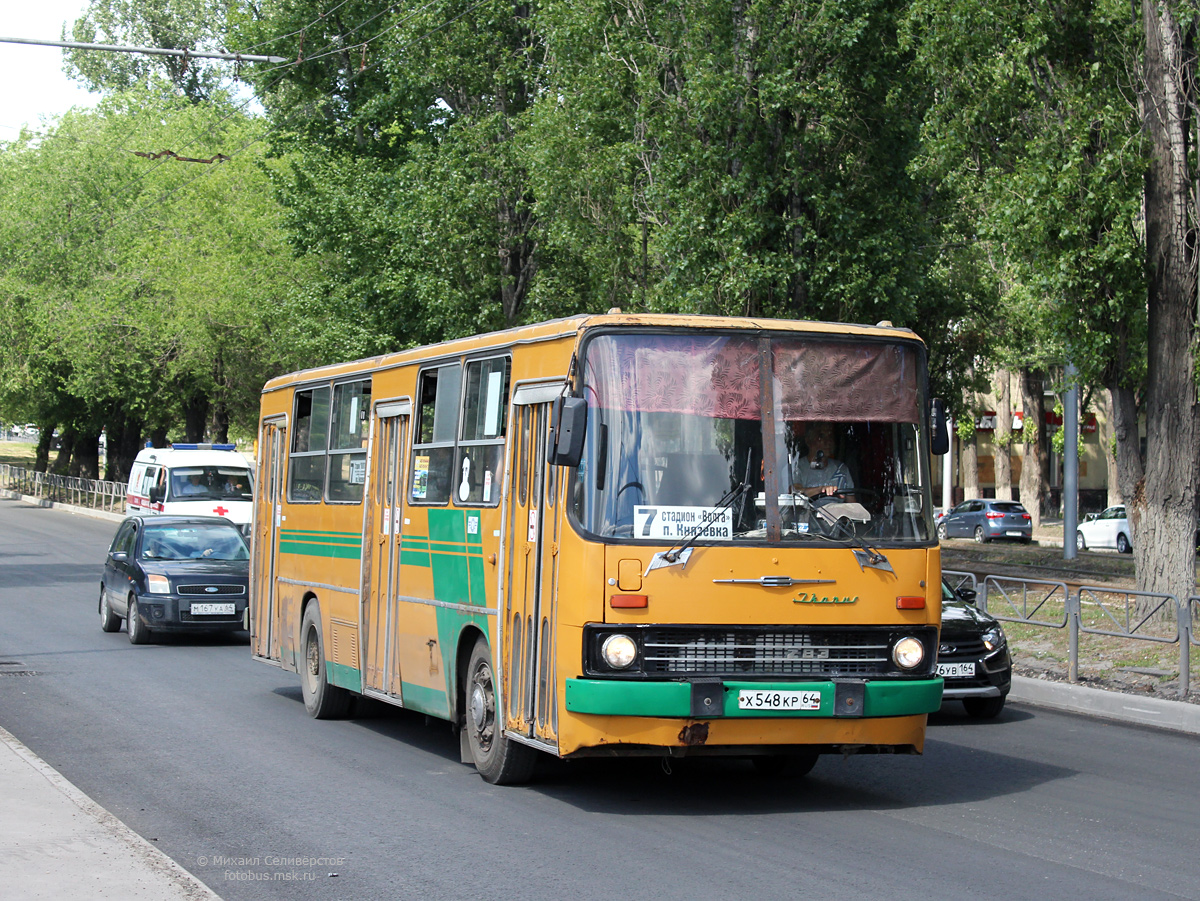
[{"x": 755, "y": 652}]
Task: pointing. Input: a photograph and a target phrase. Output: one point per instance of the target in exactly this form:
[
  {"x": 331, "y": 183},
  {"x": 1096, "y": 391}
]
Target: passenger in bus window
[{"x": 818, "y": 472}]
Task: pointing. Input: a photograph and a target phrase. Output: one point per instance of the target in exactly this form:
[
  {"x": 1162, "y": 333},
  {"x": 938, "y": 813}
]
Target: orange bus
[{"x": 612, "y": 535}]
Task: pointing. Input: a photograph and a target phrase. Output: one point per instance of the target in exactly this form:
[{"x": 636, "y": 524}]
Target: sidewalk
[{"x": 57, "y": 843}]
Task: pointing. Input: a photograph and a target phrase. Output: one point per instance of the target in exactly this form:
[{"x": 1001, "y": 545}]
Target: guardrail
[
  {"x": 1092, "y": 610},
  {"x": 94, "y": 493}
]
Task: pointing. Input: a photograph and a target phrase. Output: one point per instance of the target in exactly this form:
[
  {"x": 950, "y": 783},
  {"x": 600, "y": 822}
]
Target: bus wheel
[
  {"x": 785, "y": 766},
  {"x": 322, "y": 700},
  {"x": 498, "y": 760}
]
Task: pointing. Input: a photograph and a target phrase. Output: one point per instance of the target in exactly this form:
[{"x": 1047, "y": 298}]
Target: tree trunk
[
  {"x": 1035, "y": 461},
  {"x": 85, "y": 459},
  {"x": 66, "y": 444},
  {"x": 124, "y": 442},
  {"x": 41, "y": 460},
  {"x": 968, "y": 464},
  {"x": 1105, "y": 432},
  {"x": 195, "y": 417},
  {"x": 1162, "y": 504},
  {"x": 1002, "y": 436}
]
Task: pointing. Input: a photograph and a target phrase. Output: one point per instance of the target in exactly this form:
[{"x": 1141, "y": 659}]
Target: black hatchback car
[
  {"x": 973, "y": 656},
  {"x": 175, "y": 574}
]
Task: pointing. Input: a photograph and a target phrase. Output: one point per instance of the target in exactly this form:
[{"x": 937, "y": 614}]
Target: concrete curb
[
  {"x": 1178, "y": 716},
  {"x": 73, "y": 847},
  {"x": 67, "y": 508}
]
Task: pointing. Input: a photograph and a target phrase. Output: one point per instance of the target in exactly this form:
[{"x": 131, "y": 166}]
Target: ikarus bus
[{"x": 612, "y": 535}]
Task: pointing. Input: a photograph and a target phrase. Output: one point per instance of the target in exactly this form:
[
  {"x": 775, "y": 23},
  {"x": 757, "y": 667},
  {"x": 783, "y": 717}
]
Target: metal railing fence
[
  {"x": 94, "y": 493},
  {"x": 1091, "y": 610}
]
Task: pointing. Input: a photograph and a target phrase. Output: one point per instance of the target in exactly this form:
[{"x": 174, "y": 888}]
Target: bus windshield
[{"x": 686, "y": 439}]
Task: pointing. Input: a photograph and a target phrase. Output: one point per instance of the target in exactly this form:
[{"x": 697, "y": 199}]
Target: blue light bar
[{"x": 177, "y": 446}]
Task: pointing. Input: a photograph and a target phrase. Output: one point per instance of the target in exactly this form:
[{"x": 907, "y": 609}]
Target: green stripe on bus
[
  {"x": 344, "y": 676},
  {"x": 327, "y": 537},
  {"x": 433, "y": 701},
  {"x": 674, "y": 699},
  {"x": 313, "y": 549}
]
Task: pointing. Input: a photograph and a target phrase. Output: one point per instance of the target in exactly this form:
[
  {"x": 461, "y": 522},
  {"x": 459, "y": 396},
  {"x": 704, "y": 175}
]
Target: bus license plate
[
  {"x": 760, "y": 699},
  {"x": 212, "y": 609},
  {"x": 956, "y": 670}
]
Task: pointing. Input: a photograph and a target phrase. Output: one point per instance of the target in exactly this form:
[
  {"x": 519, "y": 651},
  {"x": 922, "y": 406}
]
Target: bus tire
[
  {"x": 498, "y": 759},
  {"x": 322, "y": 700}
]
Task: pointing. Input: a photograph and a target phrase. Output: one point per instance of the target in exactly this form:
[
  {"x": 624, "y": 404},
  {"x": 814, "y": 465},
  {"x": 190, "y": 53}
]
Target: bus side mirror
[
  {"x": 569, "y": 425},
  {"x": 939, "y": 435},
  {"x": 157, "y": 493}
]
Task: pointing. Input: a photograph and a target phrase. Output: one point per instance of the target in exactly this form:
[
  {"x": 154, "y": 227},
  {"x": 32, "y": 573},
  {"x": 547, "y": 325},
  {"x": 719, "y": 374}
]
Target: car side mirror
[
  {"x": 939, "y": 434},
  {"x": 568, "y": 426},
  {"x": 968, "y": 594},
  {"x": 119, "y": 556},
  {"x": 156, "y": 494}
]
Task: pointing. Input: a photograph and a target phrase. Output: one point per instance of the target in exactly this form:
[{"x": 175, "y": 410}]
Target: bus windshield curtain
[{"x": 718, "y": 377}]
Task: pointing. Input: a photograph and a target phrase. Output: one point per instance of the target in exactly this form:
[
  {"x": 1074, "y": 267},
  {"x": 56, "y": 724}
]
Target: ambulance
[{"x": 194, "y": 480}]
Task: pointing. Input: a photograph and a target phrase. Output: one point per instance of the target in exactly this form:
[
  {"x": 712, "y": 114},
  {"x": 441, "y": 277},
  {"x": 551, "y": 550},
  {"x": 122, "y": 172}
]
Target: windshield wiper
[
  {"x": 865, "y": 554},
  {"x": 724, "y": 503}
]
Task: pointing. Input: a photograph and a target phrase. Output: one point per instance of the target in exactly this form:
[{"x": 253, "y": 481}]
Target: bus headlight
[
  {"x": 908, "y": 653},
  {"x": 619, "y": 651}
]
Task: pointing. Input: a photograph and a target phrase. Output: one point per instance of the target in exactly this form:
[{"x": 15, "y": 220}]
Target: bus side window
[
  {"x": 433, "y": 444},
  {"x": 348, "y": 441},
  {"x": 480, "y": 462},
  {"x": 306, "y": 465}
]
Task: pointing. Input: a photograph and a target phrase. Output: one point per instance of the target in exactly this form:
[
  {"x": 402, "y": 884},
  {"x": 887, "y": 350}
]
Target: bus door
[
  {"x": 268, "y": 510},
  {"x": 381, "y": 669},
  {"x": 531, "y": 543}
]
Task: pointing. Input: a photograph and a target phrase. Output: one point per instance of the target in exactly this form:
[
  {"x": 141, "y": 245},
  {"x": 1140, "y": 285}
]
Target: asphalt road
[{"x": 210, "y": 755}]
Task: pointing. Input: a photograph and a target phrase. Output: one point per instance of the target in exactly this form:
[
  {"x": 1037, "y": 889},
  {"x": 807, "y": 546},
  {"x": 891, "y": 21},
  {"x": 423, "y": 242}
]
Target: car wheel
[
  {"x": 138, "y": 631},
  {"x": 109, "y": 621},
  {"x": 785, "y": 766},
  {"x": 1080, "y": 542},
  {"x": 499, "y": 760},
  {"x": 983, "y": 708},
  {"x": 979, "y": 536},
  {"x": 322, "y": 700},
  {"x": 941, "y": 530},
  {"x": 1123, "y": 545}
]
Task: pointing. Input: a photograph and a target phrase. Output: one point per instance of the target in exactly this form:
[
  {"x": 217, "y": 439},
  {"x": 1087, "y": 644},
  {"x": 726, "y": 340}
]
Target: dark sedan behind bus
[
  {"x": 175, "y": 574},
  {"x": 973, "y": 655}
]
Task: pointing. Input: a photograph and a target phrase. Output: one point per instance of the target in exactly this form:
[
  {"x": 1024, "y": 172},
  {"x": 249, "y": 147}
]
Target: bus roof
[{"x": 561, "y": 328}]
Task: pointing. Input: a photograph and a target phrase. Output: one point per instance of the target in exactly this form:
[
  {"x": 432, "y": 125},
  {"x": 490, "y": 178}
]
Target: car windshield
[
  {"x": 227, "y": 483},
  {"x": 678, "y": 425},
  {"x": 198, "y": 541}
]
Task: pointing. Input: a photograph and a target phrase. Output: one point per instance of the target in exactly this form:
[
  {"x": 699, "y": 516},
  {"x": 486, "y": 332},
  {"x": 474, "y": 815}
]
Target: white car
[{"x": 1108, "y": 529}]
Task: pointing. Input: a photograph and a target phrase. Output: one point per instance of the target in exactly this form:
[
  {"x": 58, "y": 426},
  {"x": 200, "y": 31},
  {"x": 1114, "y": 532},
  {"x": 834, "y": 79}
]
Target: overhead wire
[{"x": 138, "y": 211}]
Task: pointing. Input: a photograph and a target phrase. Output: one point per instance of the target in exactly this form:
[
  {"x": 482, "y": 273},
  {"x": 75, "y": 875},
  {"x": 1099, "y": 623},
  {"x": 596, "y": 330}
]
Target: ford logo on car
[{"x": 212, "y": 589}]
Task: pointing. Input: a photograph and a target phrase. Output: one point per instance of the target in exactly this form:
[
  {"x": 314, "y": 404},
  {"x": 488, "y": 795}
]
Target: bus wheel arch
[
  {"x": 499, "y": 759},
  {"x": 322, "y": 700}
]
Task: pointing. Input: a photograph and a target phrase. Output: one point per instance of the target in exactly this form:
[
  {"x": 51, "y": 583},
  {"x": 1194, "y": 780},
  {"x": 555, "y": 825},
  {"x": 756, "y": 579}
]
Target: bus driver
[{"x": 818, "y": 473}]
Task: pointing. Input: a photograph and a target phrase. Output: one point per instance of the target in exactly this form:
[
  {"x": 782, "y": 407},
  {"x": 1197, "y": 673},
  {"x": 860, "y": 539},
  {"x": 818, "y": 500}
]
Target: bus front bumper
[{"x": 854, "y": 698}]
